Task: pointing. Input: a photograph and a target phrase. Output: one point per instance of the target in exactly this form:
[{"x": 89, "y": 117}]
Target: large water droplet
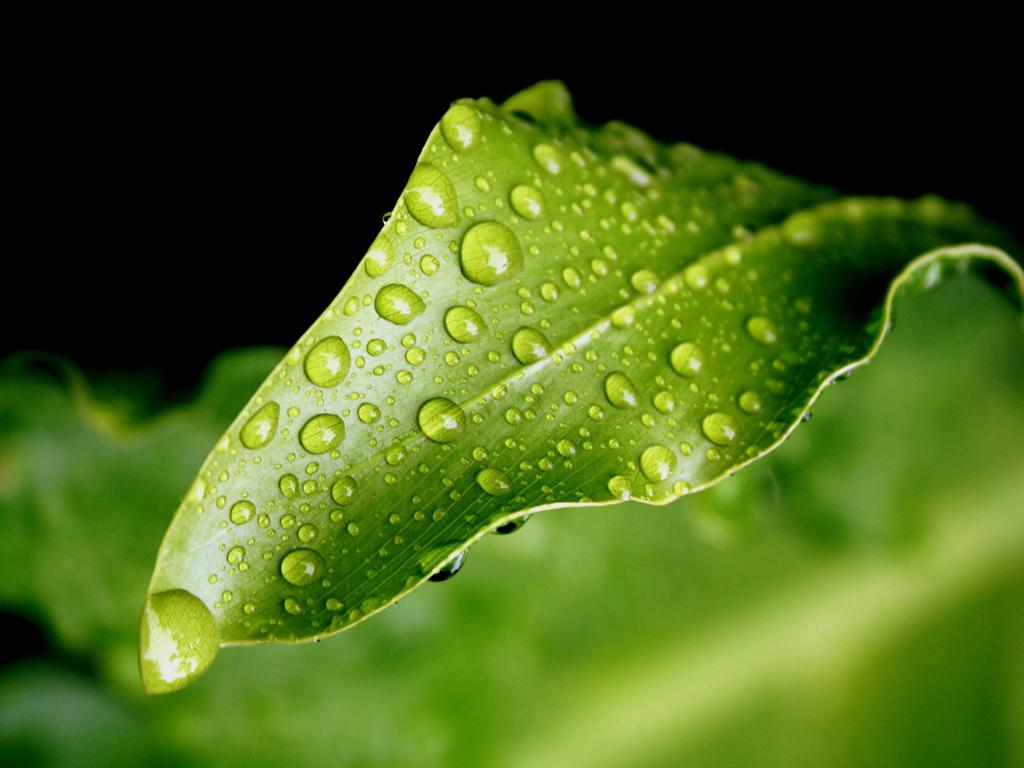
[
  {"x": 657, "y": 463},
  {"x": 644, "y": 281},
  {"x": 720, "y": 428},
  {"x": 460, "y": 127},
  {"x": 493, "y": 481},
  {"x": 620, "y": 391},
  {"x": 441, "y": 419},
  {"x": 302, "y": 566},
  {"x": 322, "y": 433},
  {"x": 463, "y": 324},
  {"x": 430, "y": 197},
  {"x": 179, "y": 640},
  {"x": 327, "y": 363},
  {"x": 548, "y": 158},
  {"x": 368, "y": 413},
  {"x": 528, "y": 202},
  {"x": 490, "y": 253},
  {"x": 261, "y": 426},
  {"x": 763, "y": 331},
  {"x": 530, "y": 345},
  {"x": 398, "y": 304},
  {"x": 379, "y": 258},
  {"x": 687, "y": 360}
]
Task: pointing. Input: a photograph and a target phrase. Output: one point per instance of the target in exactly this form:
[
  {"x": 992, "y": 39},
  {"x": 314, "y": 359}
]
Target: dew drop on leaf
[
  {"x": 620, "y": 390},
  {"x": 490, "y": 253},
  {"x": 763, "y": 331},
  {"x": 430, "y": 197},
  {"x": 460, "y": 127},
  {"x": 441, "y": 419},
  {"x": 657, "y": 463},
  {"x": 327, "y": 363},
  {"x": 398, "y": 304},
  {"x": 687, "y": 360},
  {"x": 322, "y": 433},
  {"x": 242, "y": 512},
  {"x": 261, "y": 426},
  {"x": 302, "y": 566},
  {"x": 530, "y": 345},
  {"x": 719, "y": 428},
  {"x": 548, "y": 158},
  {"x": 463, "y": 324},
  {"x": 493, "y": 481},
  {"x": 528, "y": 202}
]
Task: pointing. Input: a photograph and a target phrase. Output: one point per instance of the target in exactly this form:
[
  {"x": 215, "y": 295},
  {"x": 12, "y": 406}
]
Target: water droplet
[
  {"x": 750, "y": 402},
  {"x": 696, "y": 276},
  {"x": 379, "y": 258},
  {"x": 179, "y": 640},
  {"x": 292, "y": 606},
  {"x": 430, "y": 197},
  {"x": 450, "y": 568},
  {"x": 261, "y": 426},
  {"x": 665, "y": 401},
  {"x": 549, "y": 292},
  {"x": 619, "y": 488},
  {"x": 572, "y": 277},
  {"x": 803, "y": 230},
  {"x": 236, "y": 555},
  {"x": 548, "y": 158},
  {"x": 242, "y": 512},
  {"x": 490, "y": 253},
  {"x": 687, "y": 360},
  {"x": 460, "y": 127},
  {"x": 343, "y": 490},
  {"x": 397, "y": 303},
  {"x": 302, "y": 566},
  {"x": 307, "y": 533},
  {"x": 368, "y": 413},
  {"x": 529, "y": 346},
  {"x": 620, "y": 391},
  {"x": 327, "y": 363},
  {"x": 657, "y": 463},
  {"x": 566, "y": 448},
  {"x": 463, "y": 324},
  {"x": 334, "y": 604},
  {"x": 441, "y": 419},
  {"x": 623, "y": 317},
  {"x": 322, "y": 433},
  {"x": 528, "y": 202},
  {"x": 493, "y": 481},
  {"x": 763, "y": 331},
  {"x": 720, "y": 428},
  {"x": 429, "y": 265},
  {"x": 512, "y": 525},
  {"x": 644, "y": 281}
]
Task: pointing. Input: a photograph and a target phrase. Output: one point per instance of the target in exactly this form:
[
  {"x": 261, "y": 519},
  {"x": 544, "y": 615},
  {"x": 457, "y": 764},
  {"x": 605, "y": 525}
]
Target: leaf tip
[{"x": 178, "y": 641}]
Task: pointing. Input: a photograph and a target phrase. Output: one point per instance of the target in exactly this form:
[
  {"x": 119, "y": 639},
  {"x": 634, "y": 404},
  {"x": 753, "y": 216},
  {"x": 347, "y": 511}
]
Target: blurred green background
[{"x": 856, "y": 599}]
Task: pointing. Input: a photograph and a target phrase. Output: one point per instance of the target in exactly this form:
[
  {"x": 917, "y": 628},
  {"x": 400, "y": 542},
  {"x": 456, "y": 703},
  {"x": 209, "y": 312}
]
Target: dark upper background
[{"x": 157, "y": 194}]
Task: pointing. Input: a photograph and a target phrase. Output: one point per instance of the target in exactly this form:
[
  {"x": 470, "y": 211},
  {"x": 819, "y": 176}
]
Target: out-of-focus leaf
[{"x": 554, "y": 315}]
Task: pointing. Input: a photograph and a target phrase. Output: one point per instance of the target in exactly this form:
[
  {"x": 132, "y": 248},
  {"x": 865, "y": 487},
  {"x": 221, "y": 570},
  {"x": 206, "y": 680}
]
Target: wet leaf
[{"x": 554, "y": 315}]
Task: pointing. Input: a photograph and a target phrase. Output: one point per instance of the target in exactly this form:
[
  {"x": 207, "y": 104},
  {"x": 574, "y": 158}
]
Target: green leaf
[{"x": 554, "y": 315}]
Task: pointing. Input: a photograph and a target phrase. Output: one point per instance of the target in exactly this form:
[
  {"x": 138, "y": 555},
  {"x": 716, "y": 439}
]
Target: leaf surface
[{"x": 554, "y": 315}]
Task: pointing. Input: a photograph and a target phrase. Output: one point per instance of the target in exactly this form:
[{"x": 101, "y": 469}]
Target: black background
[{"x": 157, "y": 196}]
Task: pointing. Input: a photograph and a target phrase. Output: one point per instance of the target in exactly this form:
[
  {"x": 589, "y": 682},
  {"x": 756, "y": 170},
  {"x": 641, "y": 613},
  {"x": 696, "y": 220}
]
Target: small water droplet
[
  {"x": 665, "y": 401},
  {"x": 292, "y": 606},
  {"x": 623, "y": 317},
  {"x": 242, "y": 512},
  {"x": 344, "y": 490},
  {"x": 398, "y": 304},
  {"x": 490, "y": 253},
  {"x": 429, "y": 265},
  {"x": 430, "y": 197},
  {"x": 750, "y": 402},
  {"x": 657, "y": 463},
  {"x": 463, "y": 324},
  {"x": 327, "y": 363},
  {"x": 530, "y": 345},
  {"x": 261, "y": 426},
  {"x": 548, "y": 158},
  {"x": 368, "y": 413},
  {"x": 696, "y": 276},
  {"x": 322, "y": 433},
  {"x": 720, "y": 428},
  {"x": 493, "y": 481},
  {"x": 460, "y": 127},
  {"x": 307, "y": 533},
  {"x": 549, "y": 292},
  {"x": 620, "y": 391},
  {"x": 236, "y": 555},
  {"x": 644, "y": 281},
  {"x": 763, "y": 331},
  {"x": 441, "y": 419},
  {"x": 379, "y": 258},
  {"x": 528, "y": 202},
  {"x": 302, "y": 566},
  {"x": 687, "y": 360}
]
